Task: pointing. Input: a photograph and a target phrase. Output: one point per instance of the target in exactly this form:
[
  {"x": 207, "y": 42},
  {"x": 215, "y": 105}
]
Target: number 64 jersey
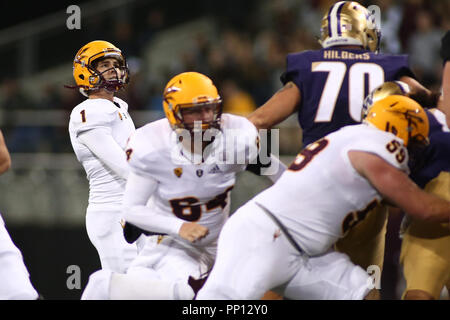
[
  {"x": 191, "y": 187},
  {"x": 321, "y": 196}
]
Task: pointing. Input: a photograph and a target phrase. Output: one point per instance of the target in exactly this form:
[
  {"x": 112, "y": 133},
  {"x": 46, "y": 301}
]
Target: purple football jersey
[
  {"x": 333, "y": 83},
  {"x": 436, "y": 156}
]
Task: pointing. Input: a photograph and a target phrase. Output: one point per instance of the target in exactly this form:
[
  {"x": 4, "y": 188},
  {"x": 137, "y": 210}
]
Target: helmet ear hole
[{"x": 81, "y": 76}]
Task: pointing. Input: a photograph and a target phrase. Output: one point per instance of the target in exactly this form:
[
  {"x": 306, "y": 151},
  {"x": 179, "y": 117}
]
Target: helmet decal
[
  {"x": 401, "y": 116},
  {"x": 87, "y": 77},
  {"x": 191, "y": 91}
]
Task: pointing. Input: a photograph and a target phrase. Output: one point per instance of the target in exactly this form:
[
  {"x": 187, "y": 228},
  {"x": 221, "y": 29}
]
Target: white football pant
[
  {"x": 106, "y": 234},
  {"x": 254, "y": 257},
  {"x": 14, "y": 277}
]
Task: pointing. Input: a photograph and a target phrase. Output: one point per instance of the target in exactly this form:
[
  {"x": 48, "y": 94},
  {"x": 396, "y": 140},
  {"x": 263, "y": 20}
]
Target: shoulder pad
[
  {"x": 144, "y": 147},
  {"x": 93, "y": 114}
]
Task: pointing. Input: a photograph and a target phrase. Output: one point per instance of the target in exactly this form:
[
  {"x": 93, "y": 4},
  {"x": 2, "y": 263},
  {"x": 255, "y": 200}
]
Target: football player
[
  {"x": 328, "y": 189},
  {"x": 327, "y": 87},
  {"x": 445, "y": 55},
  {"x": 185, "y": 164},
  {"x": 99, "y": 129},
  {"x": 425, "y": 254},
  {"x": 15, "y": 283}
]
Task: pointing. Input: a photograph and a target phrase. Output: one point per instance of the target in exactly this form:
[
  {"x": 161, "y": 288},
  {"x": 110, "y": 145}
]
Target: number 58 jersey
[{"x": 191, "y": 188}]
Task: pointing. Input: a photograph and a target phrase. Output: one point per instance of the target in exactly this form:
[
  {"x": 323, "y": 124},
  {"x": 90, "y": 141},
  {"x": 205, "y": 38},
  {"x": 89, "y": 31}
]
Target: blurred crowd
[{"x": 245, "y": 58}]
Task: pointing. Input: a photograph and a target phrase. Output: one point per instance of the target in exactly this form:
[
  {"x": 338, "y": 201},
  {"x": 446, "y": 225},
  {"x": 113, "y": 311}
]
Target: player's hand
[{"x": 192, "y": 231}]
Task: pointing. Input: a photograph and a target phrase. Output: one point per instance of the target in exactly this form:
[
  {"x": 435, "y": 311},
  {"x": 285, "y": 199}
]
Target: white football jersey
[
  {"x": 196, "y": 192},
  {"x": 321, "y": 195},
  {"x": 105, "y": 186}
]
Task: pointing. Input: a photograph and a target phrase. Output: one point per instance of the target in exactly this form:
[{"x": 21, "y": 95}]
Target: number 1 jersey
[{"x": 105, "y": 186}]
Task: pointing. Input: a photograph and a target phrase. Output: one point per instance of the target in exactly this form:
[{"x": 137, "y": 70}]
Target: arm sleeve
[
  {"x": 137, "y": 192},
  {"x": 103, "y": 145}
]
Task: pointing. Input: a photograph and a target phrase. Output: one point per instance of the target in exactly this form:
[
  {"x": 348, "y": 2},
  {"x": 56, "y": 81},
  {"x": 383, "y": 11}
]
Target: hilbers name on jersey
[{"x": 334, "y": 54}]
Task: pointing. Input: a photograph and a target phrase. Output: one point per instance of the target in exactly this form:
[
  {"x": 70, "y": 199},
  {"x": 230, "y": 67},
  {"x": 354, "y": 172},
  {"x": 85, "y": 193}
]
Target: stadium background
[{"x": 242, "y": 45}]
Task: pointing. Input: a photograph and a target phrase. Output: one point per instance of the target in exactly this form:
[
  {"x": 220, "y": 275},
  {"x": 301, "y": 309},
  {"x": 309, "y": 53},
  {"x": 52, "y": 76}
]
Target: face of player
[
  {"x": 205, "y": 114},
  {"x": 110, "y": 69}
]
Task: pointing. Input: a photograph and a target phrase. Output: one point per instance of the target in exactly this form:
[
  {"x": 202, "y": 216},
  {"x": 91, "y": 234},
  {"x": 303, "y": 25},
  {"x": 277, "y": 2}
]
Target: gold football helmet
[
  {"x": 401, "y": 116},
  {"x": 349, "y": 23},
  {"x": 386, "y": 89},
  {"x": 187, "y": 92},
  {"x": 84, "y": 71}
]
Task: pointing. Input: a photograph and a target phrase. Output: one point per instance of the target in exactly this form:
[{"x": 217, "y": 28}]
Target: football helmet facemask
[
  {"x": 191, "y": 92},
  {"x": 349, "y": 23},
  {"x": 401, "y": 116},
  {"x": 88, "y": 78}
]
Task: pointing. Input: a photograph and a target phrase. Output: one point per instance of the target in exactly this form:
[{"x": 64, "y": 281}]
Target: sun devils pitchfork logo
[
  {"x": 178, "y": 172},
  {"x": 167, "y": 94}
]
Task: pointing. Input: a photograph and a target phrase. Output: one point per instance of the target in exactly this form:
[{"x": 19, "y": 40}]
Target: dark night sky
[{"x": 17, "y": 11}]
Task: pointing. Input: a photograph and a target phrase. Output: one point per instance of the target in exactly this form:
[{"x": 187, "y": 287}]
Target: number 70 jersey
[{"x": 333, "y": 84}]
